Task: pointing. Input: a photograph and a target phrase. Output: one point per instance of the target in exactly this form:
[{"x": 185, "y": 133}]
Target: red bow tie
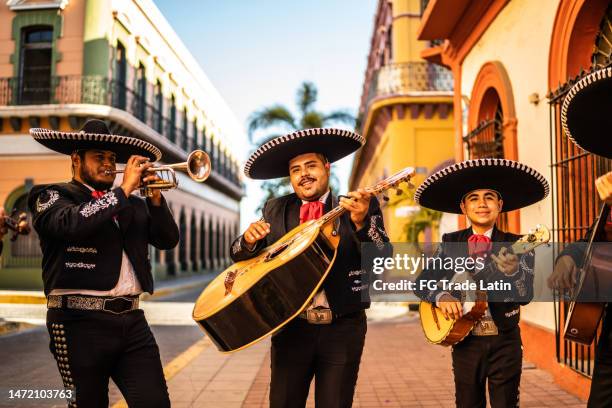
[
  {"x": 97, "y": 194},
  {"x": 311, "y": 211},
  {"x": 479, "y": 245}
]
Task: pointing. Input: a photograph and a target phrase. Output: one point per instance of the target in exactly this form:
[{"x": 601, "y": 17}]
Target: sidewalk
[
  {"x": 399, "y": 369},
  {"x": 162, "y": 288}
]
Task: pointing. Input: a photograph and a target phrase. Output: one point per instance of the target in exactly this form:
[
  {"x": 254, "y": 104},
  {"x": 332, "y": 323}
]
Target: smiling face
[
  {"x": 90, "y": 168},
  {"x": 482, "y": 207},
  {"x": 309, "y": 174}
]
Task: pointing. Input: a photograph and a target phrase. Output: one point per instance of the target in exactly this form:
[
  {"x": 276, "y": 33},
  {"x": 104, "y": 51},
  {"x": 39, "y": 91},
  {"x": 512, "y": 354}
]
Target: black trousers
[
  {"x": 601, "y": 385},
  {"x": 329, "y": 353},
  {"x": 496, "y": 359},
  {"x": 91, "y": 346}
]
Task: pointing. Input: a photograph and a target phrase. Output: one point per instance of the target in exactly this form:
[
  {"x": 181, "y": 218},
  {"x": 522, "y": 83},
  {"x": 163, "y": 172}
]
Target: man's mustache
[{"x": 306, "y": 179}]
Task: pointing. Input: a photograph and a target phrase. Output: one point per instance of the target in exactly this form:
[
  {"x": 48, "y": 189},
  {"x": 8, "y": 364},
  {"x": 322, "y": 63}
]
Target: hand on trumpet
[{"x": 135, "y": 168}]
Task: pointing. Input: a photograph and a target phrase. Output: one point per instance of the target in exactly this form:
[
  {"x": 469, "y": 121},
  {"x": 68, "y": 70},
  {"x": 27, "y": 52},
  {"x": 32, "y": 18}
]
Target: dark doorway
[
  {"x": 35, "y": 66},
  {"x": 120, "y": 77}
]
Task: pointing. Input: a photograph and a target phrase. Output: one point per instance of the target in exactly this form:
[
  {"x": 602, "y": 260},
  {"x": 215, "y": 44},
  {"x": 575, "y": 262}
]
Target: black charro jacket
[
  {"x": 504, "y": 305},
  {"x": 347, "y": 283},
  {"x": 81, "y": 243}
]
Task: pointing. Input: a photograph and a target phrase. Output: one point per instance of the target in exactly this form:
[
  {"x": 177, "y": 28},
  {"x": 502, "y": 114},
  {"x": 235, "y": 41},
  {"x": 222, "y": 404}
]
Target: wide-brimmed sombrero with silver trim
[
  {"x": 586, "y": 114},
  {"x": 519, "y": 185},
  {"x": 271, "y": 159},
  {"x": 95, "y": 135}
]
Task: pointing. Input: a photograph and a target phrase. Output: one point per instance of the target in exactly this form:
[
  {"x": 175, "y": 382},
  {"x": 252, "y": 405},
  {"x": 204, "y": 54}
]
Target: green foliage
[
  {"x": 278, "y": 116},
  {"x": 419, "y": 222}
]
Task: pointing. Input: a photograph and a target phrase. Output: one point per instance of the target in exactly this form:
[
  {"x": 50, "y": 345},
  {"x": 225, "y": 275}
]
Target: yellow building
[
  {"x": 406, "y": 113},
  {"x": 64, "y": 61}
]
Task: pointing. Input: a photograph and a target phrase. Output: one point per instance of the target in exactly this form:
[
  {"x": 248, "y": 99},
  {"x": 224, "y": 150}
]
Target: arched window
[
  {"x": 193, "y": 140},
  {"x": 211, "y": 244},
  {"x": 172, "y": 123},
  {"x": 184, "y": 130},
  {"x": 35, "y": 65},
  {"x": 219, "y": 254},
  {"x": 120, "y": 77},
  {"x": 141, "y": 94},
  {"x": 193, "y": 243},
  {"x": 183, "y": 240},
  {"x": 159, "y": 108},
  {"x": 203, "y": 262}
]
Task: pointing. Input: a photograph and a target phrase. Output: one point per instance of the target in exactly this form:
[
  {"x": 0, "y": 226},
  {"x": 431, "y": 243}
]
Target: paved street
[
  {"x": 27, "y": 362},
  {"x": 399, "y": 369}
]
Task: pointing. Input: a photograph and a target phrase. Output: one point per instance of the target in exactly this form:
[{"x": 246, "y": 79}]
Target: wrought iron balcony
[
  {"x": 103, "y": 91},
  {"x": 409, "y": 77}
]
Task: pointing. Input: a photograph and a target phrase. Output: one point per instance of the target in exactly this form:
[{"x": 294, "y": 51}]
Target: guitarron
[
  {"x": 448, "y": 332},
  {"x": 254, "y": 298},
  {"x": 592, "y": 290}
]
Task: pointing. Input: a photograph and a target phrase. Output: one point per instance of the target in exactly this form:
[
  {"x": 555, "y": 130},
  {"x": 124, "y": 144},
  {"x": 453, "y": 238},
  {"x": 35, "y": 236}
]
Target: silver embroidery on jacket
[
  {"x": 236, "y": 247},
  {"x": 375, "y": 233},
  {"x": 82, "y": 250},
  {"x": 80, "y": 265},
  {"x": 53, "y": 197},
  {"x": 100, "y": 204}
]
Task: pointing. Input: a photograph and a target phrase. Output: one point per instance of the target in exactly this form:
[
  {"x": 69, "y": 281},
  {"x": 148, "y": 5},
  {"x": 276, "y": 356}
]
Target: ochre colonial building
[
  {"x": 406, "y": 116},
  {"x": 63, "y": 61},
  {"x": 513, "y": 63}
]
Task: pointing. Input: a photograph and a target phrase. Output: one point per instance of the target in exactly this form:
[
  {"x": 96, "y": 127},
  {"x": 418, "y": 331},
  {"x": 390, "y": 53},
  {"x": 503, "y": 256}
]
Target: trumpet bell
[{"x": 198, "y": 165}]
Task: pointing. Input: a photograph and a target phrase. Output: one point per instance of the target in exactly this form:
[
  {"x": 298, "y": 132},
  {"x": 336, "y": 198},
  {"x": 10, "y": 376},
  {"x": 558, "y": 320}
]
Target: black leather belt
[{"x": 109, "y": 304}]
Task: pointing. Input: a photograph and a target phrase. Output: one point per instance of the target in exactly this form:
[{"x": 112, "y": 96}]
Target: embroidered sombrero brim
[
  {"x": 518, "y": 184},
  {"x": 586, "y": 114},
  {"x": 122, "y": 146},
  {"x": 271, "y": 159}
]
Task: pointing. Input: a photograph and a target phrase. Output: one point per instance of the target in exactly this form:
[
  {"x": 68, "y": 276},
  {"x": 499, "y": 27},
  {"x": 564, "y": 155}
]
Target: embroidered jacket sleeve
[
  {"x": 163, "y": 231},
  {"x": 374, "y": 226},
  {"x": 240, "y": 251},
  {"x": 520, "y": 283},
  {"x": 56, "y": 215},
  {"x": 428, "y": 285}
]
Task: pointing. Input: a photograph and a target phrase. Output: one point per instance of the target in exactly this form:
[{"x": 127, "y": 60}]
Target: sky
[{"x": 258, "y": 52}]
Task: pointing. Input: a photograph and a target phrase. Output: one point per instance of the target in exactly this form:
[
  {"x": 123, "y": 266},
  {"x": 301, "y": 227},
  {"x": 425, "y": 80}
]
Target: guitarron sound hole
[{"x": 276, "y": 252}]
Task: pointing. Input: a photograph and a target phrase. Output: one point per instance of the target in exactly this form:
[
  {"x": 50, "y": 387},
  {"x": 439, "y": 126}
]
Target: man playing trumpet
[{"x": 94, "y": 240}]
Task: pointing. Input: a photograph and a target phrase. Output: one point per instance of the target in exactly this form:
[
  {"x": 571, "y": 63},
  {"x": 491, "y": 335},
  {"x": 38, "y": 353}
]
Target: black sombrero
[
  {"x": 586, "y": 113},
  {"x": 95, "y": 135},
  {"x": 518, "y": 184},
  {"x": 271, "y": 159}
]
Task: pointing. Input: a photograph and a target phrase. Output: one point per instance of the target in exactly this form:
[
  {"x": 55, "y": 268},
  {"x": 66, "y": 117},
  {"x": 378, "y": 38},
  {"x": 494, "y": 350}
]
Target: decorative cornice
[{"x": 20, "y": 5}]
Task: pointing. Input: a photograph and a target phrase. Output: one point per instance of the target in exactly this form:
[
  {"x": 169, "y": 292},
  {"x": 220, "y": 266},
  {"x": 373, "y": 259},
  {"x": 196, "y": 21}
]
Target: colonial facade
[
  {"x": 64, "y": 61},
  {"x": 513, "y": 63},
  {"x": 406, "y": 116}
]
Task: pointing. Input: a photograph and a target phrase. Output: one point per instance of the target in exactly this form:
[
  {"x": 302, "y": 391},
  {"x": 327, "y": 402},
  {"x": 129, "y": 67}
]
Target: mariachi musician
[
  {"x": 481, "y": 189},
  {"x": 94, "y": 240},
  {"x": 327, "y": 339},
  {"x": 587, "y": 121}
]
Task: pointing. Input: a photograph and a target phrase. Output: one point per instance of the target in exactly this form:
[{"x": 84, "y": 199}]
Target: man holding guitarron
[
  {"x": 327, "y": 339},
  {"x": 586, "y": 119}
]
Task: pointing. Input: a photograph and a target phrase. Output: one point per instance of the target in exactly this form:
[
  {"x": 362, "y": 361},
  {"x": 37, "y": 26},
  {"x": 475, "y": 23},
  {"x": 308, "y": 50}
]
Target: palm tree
[{"x": 279, "y": 117}]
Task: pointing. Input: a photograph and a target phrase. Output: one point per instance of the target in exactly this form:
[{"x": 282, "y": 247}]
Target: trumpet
[{"x": 197, "y": 167}]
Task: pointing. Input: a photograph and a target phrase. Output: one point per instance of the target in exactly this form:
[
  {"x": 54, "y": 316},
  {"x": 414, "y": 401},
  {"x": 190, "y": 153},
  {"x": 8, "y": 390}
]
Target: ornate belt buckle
[
  {"x": 485, "y": 328},
  {"x": 319, "y": 316},
  {"x": 108, "y": 305}
]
